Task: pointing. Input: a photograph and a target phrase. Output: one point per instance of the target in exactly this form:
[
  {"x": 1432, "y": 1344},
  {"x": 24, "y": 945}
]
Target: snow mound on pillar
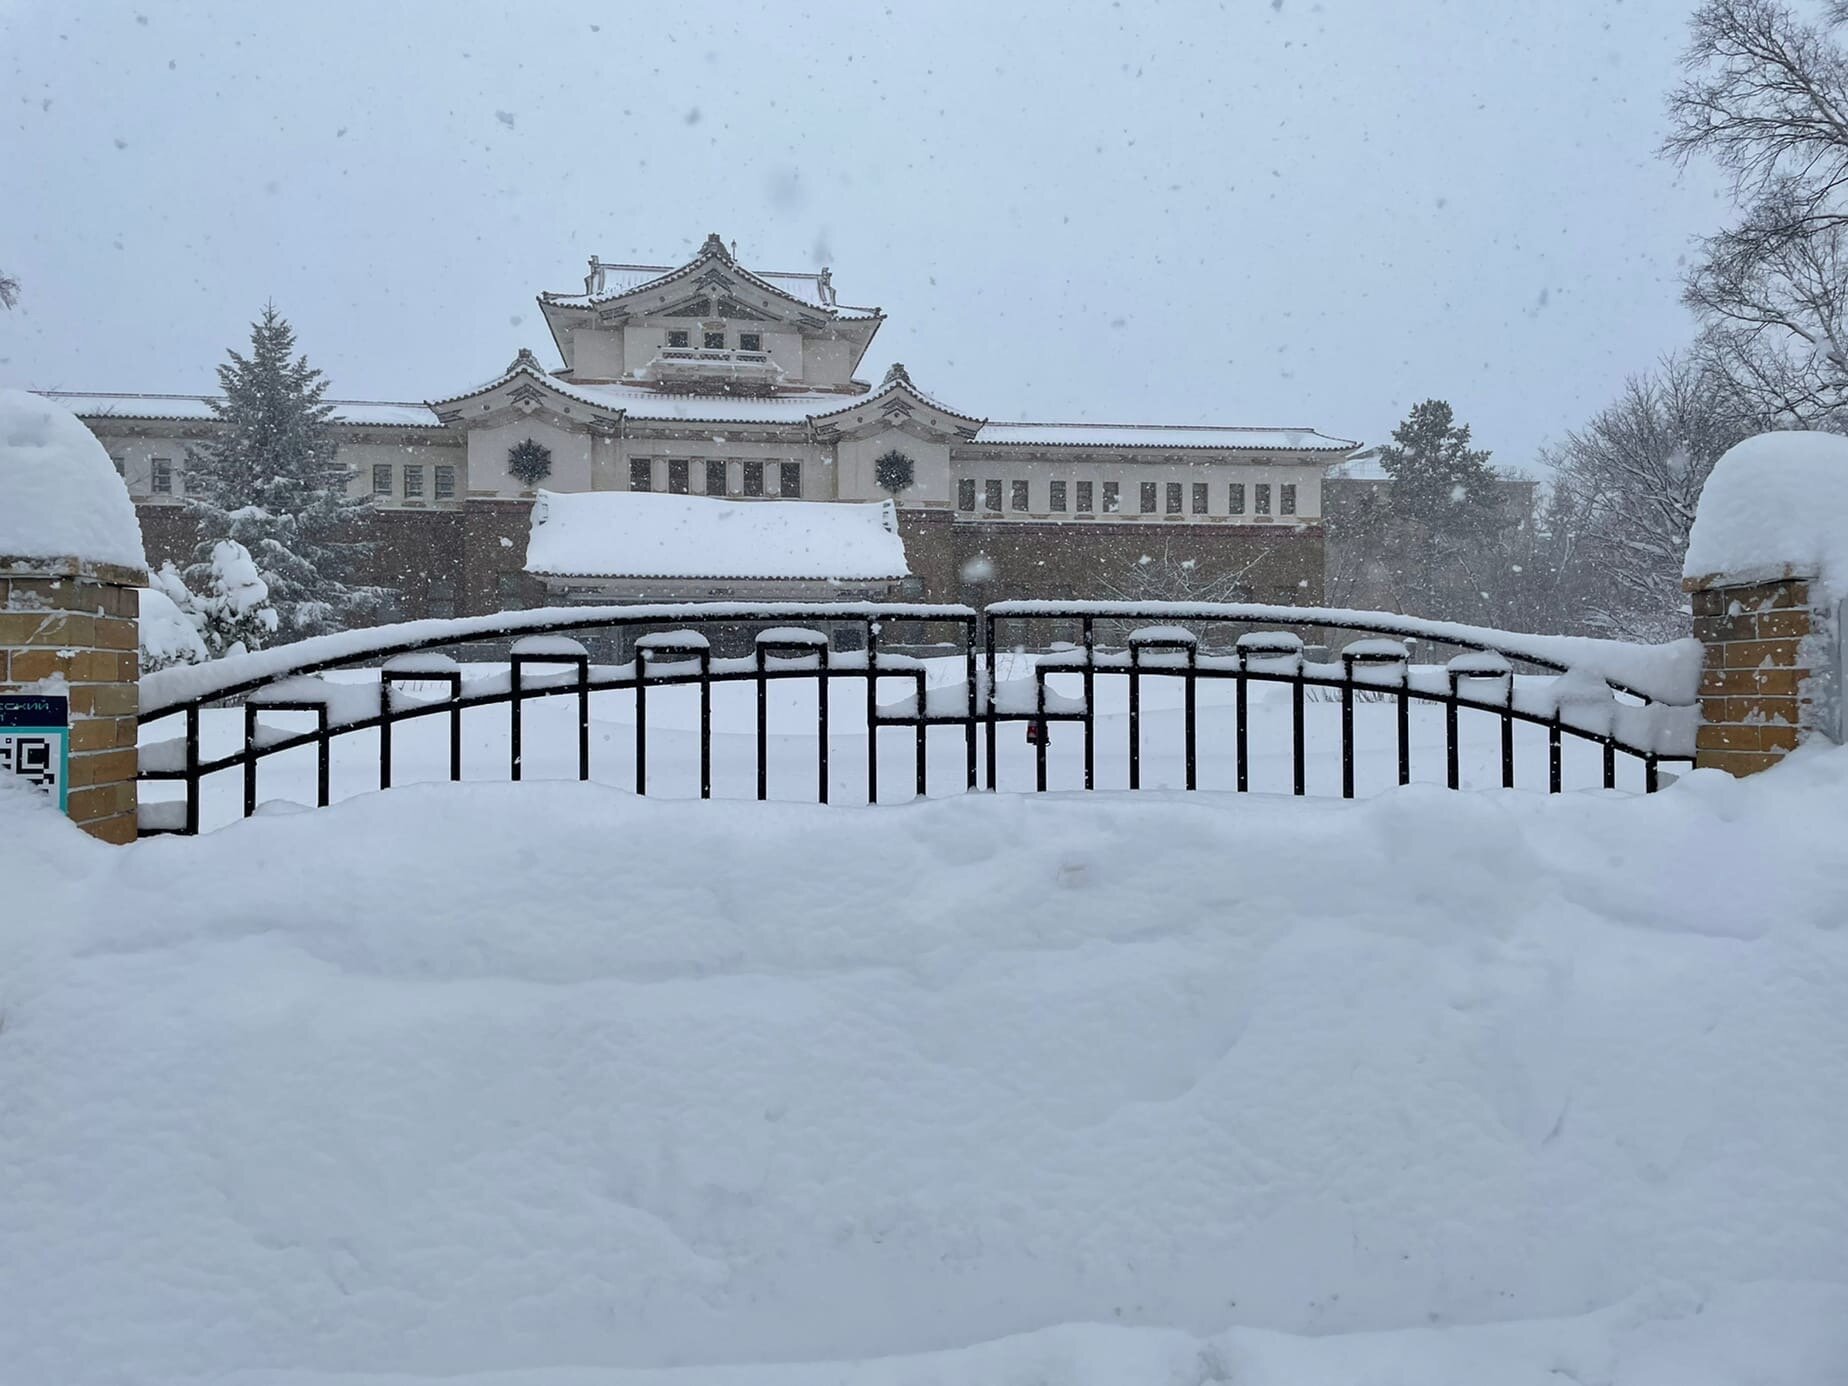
[
  {"x": 529, "y": 1083},
  {"x": 60, "y": 496},
  {"x": 1775, "y": 506}
]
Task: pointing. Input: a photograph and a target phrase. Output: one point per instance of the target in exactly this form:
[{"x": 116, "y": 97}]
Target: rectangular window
[
  {"x": 753, "y": 478},
  {"x": 1235, "y": 498},
  {"x": 715, "y": 341},
  {"x": 789, "y": 481},
  {"x": 641, "y": 474},
  {"x": 1055, "y": 495},
  {"x": 965, "y": 493},
  {"x": 1113, "y": 497},
  {"x": 1174, "y": 497},
  {"x": 381, "y": 478},
  {"x": 750, "y": 341},
  {"x": 160, "y": 475},
  {"x": 715, "y": 478},
  {"x": 1199, "y": 498},
  {"x": 678, "y": 481},
  {"x": 1148, "y": 498},
  {"x": 413, "y": 483},
  {"x": 120, "y": 466},
  {"x": 991, "y": 495},
  {"x": 445, "y": 483},
  {"x": 1084, "y": 497},
  {"x": 679, "y": 338},
  {"x": 1286, "y": 498},
  {"x": 1020, "y": 495},
  {"x": 1263, "y": 490}
]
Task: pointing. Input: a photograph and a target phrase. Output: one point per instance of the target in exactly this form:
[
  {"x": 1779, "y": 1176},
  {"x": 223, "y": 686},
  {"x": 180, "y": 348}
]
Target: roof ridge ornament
[
  {"x": 593, "y": 282},
  {"x": 716, "y": 246},
  {"x": 896, "y": 374},
  {"x": 525, "y": 361},
  {"x": 824, "y": 285}
]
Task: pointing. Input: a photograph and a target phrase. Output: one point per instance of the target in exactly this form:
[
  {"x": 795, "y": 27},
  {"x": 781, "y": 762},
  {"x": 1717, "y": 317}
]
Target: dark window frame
[
  {"x": 712, "y": 341},
  {"x": 965, "y": 495},
  {"x": 1055, "y": 496},
  {"x": 789, "y": 480},
  {"x": 679, "y": 476},
  {"x": 1202, "y": 499},
  {"x": 445, "y": 481},
  {"x": 991, "y": 496},
  {"x": 714, "y": 467},
  {"x": 1286, "y": 498},
  {"x": 1261, "y": 502},
  {"x": 641, "y": 469},
  {"x": 1113, "y": 498},
  {"x": 390, "y": 487},
  {"x": 1148, "y": 497},
  {"x": 679, "y": 339},
  {"x": 160, "y": 475},
  {"x": 751, "y": 477},
  {"x": 1235, "y": 498},
  {"x": 750, "y": 341},
  {"x": 1086, "y": 493},
  {"x": 413, "y": 481}
]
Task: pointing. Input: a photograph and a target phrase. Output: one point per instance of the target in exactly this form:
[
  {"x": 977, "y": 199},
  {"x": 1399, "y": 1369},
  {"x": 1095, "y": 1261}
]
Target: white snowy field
[
  {"x": 541, "y": 1083},
  {"x": 420, "y": 750}
]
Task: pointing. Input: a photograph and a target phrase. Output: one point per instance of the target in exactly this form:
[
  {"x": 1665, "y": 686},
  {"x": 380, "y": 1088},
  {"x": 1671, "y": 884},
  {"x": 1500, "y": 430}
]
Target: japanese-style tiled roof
[
  {"x": 1109, "y": 435},
  {"x": 87, "y": 404},
  {"x": 622, "y": 280}
]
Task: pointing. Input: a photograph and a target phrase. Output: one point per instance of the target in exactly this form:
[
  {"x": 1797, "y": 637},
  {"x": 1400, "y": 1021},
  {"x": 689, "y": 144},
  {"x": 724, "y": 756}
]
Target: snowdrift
[{"x": 537, "y": 1083}]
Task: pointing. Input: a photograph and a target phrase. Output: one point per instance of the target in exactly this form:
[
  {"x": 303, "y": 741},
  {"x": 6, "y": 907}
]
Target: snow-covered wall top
[
  {"x": 645, "y": 534},
  {"x": 60, "y": 496},
  {"x": 1775, "y": 506}
]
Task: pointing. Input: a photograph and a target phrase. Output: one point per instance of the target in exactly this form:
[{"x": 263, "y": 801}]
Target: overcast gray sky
[{"x": 1253, "y": 212}]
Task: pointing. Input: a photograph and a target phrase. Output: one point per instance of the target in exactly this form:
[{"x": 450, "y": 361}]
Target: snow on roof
[
  {"x": 1108, "y": 435},
  {"x": 63, "y": 497},
  {"x": 619, "y": 280},
  {"x": 1773, "y": 506},
  {"x": 665, "y": 405},
  {"x": 87, "y": 404},
  {"x": 644, "y": 534},
  {"x": 1360, "y": 469}
]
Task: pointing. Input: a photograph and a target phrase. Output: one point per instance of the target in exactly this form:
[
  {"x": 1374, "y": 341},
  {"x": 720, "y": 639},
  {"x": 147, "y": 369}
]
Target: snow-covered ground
[
  {"x": 420, "y": 750},
  {"x": 544, "y": 1084}
]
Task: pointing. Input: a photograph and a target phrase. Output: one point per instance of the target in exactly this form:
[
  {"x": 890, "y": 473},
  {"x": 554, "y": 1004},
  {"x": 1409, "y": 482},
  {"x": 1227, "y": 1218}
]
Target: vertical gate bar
[
  {"x": 1040, "y": 731},
  {"x": 1347, "y": 729},
  {"x": 1554, "y": 776},
  {"x": 872, "y": 710},
  {"x": 513, "y": 712},
  {"x": 1090, "y": 688},
  {"x": 1135, "y": 719},
  {"x": 250, "y": 759},
  {"x": 1191, "y": 683},
  {"x": 763, "y": 729},
  {"x": 968, "y": 625},
  {"x": 988, "y": 693},
  {"x": 323, "y": 755},
  {"x": 641, "y": 720},
  {"x": 821, "y": 729},
  {"x": 923, "y": 749},
  {"x": 384, "y": 731},
  {"x": 1405, "y": 724},
  {"x": 705, "y": 723},
  {"x": 1452, "y": 771},
  {"x": 1297, "y": 750},
  {"x": 1507, "y": 736},
  {"x": 1610, "y": 763},
  {"x": 455, "y": 726},
  {"x": 192, "y": 769},
  {"x": 583, "y": 701},
  {"x": 1241, "y": 743},
  {"x": 1652, "y": 776}
]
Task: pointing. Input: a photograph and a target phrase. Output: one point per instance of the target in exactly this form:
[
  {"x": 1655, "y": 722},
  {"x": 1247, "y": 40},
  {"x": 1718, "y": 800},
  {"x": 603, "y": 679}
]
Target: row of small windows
[
  {"x": 444, "y": 479},
  {"x": 715, "y": 341},
  {"x": 752, "y": 479},
  {"x": 1153, "y": 497}
]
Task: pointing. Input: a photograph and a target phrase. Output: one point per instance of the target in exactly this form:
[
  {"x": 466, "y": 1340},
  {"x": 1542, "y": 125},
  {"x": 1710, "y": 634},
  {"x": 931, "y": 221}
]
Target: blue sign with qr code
[{"x": 35, "y": 741}]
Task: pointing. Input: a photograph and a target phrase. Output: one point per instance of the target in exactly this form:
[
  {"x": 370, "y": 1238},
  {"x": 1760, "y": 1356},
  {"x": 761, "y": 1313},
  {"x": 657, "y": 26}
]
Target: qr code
[{"x": 34, "y": 757}]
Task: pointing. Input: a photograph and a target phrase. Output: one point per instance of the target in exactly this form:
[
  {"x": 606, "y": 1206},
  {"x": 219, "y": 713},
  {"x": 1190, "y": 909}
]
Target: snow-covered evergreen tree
[
  {"x": 235, "y": 611},
  {"x": 170, "y": 622},
  {"x": 271, "y": 483}
]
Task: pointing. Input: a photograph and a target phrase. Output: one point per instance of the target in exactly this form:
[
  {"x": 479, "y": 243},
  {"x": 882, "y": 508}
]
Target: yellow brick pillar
[
  {"x": 69, "y": 627},
  {"x": 71, "y": 570},
  {"x": 1766, "y": 681}
]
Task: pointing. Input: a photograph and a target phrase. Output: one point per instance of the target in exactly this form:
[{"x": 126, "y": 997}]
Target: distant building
[{"x": 710, "y": 380}]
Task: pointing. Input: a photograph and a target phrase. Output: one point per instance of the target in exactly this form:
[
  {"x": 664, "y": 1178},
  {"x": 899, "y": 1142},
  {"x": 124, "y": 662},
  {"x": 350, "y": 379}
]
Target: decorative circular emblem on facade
[
  {"x": 894, "y": 472},
  {"x": 529, "y": 462}
]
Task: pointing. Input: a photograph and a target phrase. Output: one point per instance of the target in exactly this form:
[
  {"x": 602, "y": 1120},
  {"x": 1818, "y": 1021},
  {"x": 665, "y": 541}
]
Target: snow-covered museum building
[{"x": 691, "y": 396}]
